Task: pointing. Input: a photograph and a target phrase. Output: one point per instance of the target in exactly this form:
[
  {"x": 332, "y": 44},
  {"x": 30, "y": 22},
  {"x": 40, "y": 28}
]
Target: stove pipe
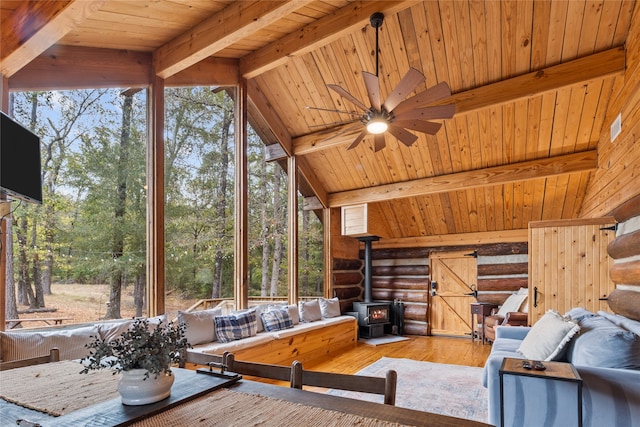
[{"x": 367, "y": 265}]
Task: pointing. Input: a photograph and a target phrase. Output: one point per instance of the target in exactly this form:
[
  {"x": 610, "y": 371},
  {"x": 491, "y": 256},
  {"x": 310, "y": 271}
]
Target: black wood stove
[{"x": 372, "y": 315}]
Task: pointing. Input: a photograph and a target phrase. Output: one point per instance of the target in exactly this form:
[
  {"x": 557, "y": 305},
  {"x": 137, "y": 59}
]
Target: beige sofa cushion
[{"x": 71, "y": 342}]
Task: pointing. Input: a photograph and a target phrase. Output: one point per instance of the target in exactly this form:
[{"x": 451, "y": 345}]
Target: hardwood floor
[{"x": 454, "y": 351}]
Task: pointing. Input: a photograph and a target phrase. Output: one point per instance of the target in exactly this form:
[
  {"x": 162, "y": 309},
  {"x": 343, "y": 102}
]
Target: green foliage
[
  {"x": 83, "y": 154},
  {"x": 141, "y": 347}
]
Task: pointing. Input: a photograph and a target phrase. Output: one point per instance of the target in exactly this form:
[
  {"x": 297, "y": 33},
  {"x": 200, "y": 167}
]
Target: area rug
[
  {"x": 386, "y": 339},
  {"x": 439, "y": 388}
]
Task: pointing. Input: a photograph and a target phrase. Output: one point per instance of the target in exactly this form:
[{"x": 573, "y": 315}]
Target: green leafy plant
[{"x": 154, "y": 348}]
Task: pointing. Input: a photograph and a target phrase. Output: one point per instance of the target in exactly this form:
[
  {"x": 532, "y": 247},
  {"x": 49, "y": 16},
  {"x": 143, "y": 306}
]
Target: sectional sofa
[{"x": 603, "y": 347}]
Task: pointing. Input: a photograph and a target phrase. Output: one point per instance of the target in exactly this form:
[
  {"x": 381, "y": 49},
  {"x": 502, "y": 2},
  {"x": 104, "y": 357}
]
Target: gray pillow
[
  {"x": 309, "y": 311},
  {"x": 329, "y": 307},
  {"x": 603, "y": 344},
  {"x": 200, "y": 325}
]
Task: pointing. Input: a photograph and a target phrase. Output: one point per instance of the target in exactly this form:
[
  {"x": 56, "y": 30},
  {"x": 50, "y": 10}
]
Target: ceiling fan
[{"x": 396, "y": 114}]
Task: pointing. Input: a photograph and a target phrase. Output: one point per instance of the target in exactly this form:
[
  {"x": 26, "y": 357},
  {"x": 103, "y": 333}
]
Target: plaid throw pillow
[
  {"x": 276, "y": 319},
  {"x": 236, "y": 326}
]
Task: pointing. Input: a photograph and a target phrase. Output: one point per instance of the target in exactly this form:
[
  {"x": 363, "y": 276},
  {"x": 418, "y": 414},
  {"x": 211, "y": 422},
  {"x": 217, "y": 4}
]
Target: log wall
[
  {"x": 404, "y": 274},
  {"x": 625, "y": 252}
]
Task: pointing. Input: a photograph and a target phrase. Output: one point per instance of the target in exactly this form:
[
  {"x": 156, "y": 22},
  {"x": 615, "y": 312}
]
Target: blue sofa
[{"x": 611, "y": 395}]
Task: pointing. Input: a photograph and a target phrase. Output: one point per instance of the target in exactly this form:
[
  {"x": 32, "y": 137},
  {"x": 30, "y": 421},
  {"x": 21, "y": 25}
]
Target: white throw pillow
[
  {"x": 548, "y": 337},
  {"x": 329, "y": 307},
  {"x": 513, "y": 303},
  {"x": 309, "y": 311},
  {"x": 200, "y": 326}
]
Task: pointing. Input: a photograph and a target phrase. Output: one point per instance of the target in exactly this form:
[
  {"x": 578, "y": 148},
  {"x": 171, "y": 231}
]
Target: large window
[
  {"x": 82, "y": 253},
  {"x": 199, "y": 194}
]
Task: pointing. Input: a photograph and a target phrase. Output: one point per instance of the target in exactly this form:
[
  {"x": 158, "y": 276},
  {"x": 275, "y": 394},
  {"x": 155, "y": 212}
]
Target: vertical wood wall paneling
[
  {"x": 615, "y": 180},
  {"x": 569, "y": 265}
]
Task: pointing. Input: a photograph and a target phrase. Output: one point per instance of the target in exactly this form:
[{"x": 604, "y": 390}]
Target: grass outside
[{"x": 88, "y": 303}]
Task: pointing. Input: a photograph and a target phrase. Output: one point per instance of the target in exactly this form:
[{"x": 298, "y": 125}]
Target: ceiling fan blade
[
  {"x": 346, "y": 95},
  {"x": 427, "y": 113},
  {"x": 408, "y": 83},
  {"x": 373, "y": 89},
  {"x": 429, "y": 96},
  {"x": 407, "y": 138},
  {"x": 421, "y": 126},
  {"x": 378, "y": 142},
  {"x": 356, "y": 141}
]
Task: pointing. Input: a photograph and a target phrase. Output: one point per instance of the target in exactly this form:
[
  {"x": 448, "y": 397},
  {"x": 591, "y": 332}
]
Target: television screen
[{"x": 20, "y": 167}]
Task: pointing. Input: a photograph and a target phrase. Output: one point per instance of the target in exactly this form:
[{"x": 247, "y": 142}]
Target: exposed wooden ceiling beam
[
  {"x": 268, "y": 112},
  {"x": 73, "y": 67},
  {"x": 316, "y": 34},
  {"x": 524, "y": 171},
  {"x": 314, "y": 182},
  {"x": 480, "y": 238},
  {"x": 284, "y": 138},
  {"x": 598, "y": 66},
  {"x": 35, "y": 26},
  {"x": 237, "y": 21},
  {"x": 580, "y": 71}
]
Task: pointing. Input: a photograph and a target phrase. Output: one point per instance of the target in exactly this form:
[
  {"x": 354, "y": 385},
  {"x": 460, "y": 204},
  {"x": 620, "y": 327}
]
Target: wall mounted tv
[{"x": 20, "y": 167}]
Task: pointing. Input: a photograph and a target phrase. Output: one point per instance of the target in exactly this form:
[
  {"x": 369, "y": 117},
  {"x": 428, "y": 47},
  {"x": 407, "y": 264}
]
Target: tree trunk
[
  {"x": 305, "y": 286},
  {"x": 115, "y": 295},
  {"x": 277, "y": 246},
  {"x": 37, "y": 282},
  {"x": 264, "y": 231},
  {"x": 221, "y": 207},
  {"x": 11, "y": 306},
  {"x": 23, "y": 263},
  {"x": 38, "y": 300},
  {"x": 139, "y": 292}
]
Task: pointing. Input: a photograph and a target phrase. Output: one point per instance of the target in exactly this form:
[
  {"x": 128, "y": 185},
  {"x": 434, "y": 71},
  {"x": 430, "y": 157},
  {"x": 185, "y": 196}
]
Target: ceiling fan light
[{"x": 377, "y": 126}]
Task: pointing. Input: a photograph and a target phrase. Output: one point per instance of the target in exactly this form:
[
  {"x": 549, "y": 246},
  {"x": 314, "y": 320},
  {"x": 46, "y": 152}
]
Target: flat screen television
[{"x": 20, "y": 164}]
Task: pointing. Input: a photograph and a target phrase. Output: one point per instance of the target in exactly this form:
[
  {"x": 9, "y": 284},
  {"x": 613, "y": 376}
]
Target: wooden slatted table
[{"x": 191, "y": 386}]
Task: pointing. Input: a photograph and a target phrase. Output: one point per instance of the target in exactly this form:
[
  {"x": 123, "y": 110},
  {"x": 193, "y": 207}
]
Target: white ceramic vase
[{"x": 136, "y": 390}]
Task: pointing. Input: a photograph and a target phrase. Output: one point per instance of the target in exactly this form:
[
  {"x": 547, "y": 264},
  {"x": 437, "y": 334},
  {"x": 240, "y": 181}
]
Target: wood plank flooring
[{"x": 451, "y": 350}]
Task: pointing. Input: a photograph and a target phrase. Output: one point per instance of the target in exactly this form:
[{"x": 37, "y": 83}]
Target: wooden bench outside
[{"x": 48, "y": 320}]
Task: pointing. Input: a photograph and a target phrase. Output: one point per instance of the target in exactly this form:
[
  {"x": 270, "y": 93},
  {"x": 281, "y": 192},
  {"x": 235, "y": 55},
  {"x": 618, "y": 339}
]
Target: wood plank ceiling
[{"x": 531, "y": 82}]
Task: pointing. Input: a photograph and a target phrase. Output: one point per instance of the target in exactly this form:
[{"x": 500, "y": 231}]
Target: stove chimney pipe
[{"x": 367, "y": 265}]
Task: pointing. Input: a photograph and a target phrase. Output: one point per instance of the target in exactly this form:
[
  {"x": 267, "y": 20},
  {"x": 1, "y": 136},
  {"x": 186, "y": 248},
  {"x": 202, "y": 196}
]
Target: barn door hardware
[
  {"x": 613, "y": 227},
  {"x": 535, "y": 296},
  {"x": 474, "y": 291},
  {"x": 473, "y": 254}
]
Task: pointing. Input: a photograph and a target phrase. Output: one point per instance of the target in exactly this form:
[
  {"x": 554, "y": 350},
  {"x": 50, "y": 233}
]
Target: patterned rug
[{"x": 439, "y": 388}]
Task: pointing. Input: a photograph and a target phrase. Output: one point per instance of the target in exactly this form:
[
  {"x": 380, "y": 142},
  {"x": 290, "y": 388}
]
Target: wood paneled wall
[
  {"x": 616, "y": 179},
  {"x": 403, "y": 273},
  {"x": 569, "y": 265}
]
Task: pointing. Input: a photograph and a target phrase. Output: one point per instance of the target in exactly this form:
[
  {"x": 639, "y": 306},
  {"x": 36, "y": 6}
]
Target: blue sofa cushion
[{"x": 603, "y": 344}]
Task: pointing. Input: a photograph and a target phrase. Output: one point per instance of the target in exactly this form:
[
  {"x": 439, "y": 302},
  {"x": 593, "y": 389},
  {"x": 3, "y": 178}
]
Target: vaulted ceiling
[{"x": 531, "y": 82}]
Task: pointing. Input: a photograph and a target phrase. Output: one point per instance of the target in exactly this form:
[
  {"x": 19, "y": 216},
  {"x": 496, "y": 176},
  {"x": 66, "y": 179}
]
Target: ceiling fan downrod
[{"x": 376, "y": 20}]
